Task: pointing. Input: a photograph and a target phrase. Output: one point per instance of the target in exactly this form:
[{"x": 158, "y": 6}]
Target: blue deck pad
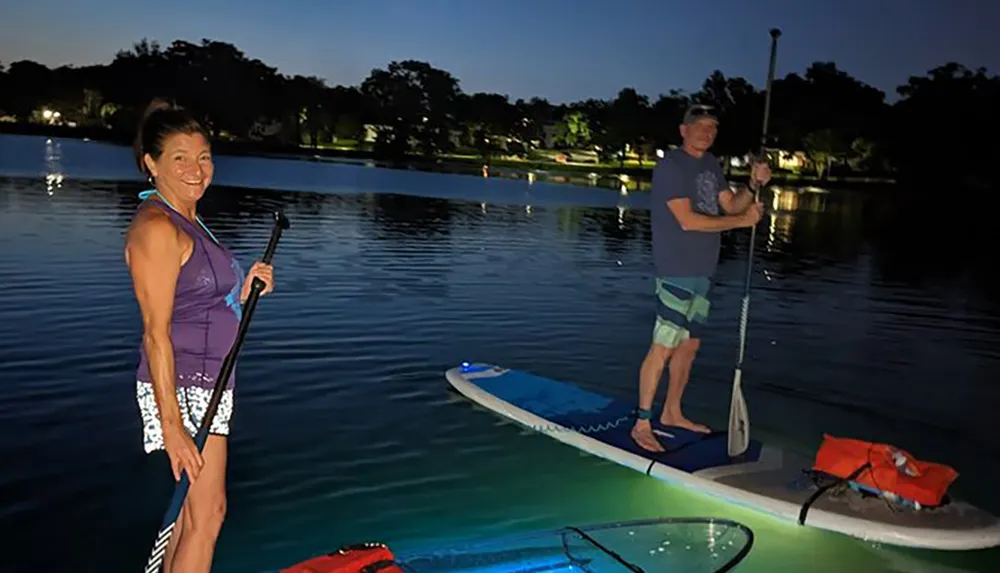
[{"x": 608, "y": 420}]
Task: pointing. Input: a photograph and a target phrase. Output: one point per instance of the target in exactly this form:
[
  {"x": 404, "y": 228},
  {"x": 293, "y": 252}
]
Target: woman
[{"x": 190, "y": 290}]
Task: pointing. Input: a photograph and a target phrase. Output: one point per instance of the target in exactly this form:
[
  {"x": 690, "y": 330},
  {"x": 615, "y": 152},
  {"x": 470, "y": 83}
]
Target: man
[{"x": 688, "y": 190}]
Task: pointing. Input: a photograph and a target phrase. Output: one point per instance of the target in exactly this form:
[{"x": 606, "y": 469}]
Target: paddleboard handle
[{"x": 819, "y": 492}]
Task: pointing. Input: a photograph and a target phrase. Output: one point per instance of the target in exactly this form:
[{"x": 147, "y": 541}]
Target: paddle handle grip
[{"x": 280, "y": 224}]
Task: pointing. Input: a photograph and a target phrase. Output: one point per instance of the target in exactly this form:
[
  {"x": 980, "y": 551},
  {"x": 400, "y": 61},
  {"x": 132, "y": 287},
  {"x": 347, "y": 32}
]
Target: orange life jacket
[
  {"x": 364, "y": 558},
  {"x": 892, "y": 470}
]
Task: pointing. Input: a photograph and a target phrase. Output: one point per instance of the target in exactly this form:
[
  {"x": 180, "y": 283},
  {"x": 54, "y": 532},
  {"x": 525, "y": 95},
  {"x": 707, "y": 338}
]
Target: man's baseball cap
[{"x": 699, "y": 111}]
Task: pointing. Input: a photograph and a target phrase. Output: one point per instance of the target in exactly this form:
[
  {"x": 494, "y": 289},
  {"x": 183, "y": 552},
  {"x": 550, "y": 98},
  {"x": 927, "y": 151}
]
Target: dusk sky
[{"x": 561, "y": 49}]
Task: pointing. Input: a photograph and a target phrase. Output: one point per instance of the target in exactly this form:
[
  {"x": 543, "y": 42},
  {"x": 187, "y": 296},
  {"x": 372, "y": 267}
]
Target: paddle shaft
[
  {"x": 745, "y": 310},
  {"x": 739, "y": 419},
  {"x": 180, "y": 492}
]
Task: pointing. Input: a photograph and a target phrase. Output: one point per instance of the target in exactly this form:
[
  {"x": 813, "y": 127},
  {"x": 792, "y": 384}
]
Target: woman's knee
[
  {"x": 206, "y": 514},
  {"x": 217, "y": 511},
  {"x": 207, "y": 497}
]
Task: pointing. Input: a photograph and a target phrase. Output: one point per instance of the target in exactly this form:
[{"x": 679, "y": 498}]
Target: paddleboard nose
[{"x": 468, "y": 367}]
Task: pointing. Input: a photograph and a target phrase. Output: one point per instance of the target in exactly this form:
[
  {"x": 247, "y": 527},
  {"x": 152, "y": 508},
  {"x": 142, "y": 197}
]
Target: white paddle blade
[{"x": 739, "y": 420}]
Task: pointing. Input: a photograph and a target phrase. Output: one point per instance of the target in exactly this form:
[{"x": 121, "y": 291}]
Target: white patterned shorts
[{"x": 193, "y": 401}]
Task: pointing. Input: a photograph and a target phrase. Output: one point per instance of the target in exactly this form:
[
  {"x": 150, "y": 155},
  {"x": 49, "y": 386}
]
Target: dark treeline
[{"x": 831, "y": 121}]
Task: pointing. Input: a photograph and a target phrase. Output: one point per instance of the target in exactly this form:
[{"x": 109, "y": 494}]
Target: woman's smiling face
[{"x": 185, "y": 167}]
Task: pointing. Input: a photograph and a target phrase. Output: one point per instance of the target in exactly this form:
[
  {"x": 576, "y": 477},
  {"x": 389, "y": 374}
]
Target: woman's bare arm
[{"x": 154, "y": 253}]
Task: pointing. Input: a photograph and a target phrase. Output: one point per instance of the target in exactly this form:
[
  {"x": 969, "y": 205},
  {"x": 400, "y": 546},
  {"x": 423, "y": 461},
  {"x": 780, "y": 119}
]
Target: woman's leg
[
  {"x": 192, "y": 542},
  {"x": 152, "y": 434},
  {"x": 203, "y": 512},
  {"x": 175, "y": 538}
]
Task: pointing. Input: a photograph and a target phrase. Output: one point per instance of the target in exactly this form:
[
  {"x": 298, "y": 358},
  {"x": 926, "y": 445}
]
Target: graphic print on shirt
[
  {"x": 707, "y": 188},
  {"x": 233, "y": 298}
]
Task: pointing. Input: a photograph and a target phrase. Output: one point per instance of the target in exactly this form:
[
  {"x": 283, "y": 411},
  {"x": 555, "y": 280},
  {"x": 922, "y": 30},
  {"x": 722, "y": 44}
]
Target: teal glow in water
[{"x": 345, "y": 430}]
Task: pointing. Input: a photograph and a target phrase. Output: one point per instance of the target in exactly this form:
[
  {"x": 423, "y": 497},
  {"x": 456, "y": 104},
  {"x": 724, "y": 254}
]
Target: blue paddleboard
[
  {"x": 567, "y": 407},
  {"x": 763, "y": 478}
]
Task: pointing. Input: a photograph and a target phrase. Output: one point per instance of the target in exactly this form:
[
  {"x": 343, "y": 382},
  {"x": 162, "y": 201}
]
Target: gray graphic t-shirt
[{"x": 676, "y": 252}]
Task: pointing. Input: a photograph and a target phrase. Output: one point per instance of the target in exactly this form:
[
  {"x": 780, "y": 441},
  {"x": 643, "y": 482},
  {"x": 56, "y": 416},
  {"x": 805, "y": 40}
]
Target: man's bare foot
[
  {"x": 642, "y": 434},
  {"x": 682, "y": 422}
]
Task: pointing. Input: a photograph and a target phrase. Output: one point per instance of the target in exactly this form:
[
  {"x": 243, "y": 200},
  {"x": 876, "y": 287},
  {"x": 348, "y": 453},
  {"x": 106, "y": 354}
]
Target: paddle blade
[{"x": 739, "y": 419}]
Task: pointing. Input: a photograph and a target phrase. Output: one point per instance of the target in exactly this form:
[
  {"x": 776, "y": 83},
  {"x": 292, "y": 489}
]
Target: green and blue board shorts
[{"x": 682, "y": 307}]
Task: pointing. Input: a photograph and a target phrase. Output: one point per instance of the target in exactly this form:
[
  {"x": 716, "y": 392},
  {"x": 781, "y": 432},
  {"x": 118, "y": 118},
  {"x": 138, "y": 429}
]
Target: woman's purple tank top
[{"x": 207, "y": 307}]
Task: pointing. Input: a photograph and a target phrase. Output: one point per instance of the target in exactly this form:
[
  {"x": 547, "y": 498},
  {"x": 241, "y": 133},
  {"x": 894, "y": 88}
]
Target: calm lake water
[{"x": 346, "y": 430}]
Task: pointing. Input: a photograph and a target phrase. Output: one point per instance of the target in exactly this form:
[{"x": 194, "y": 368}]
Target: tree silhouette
[{"x": 838, "y": 123}]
